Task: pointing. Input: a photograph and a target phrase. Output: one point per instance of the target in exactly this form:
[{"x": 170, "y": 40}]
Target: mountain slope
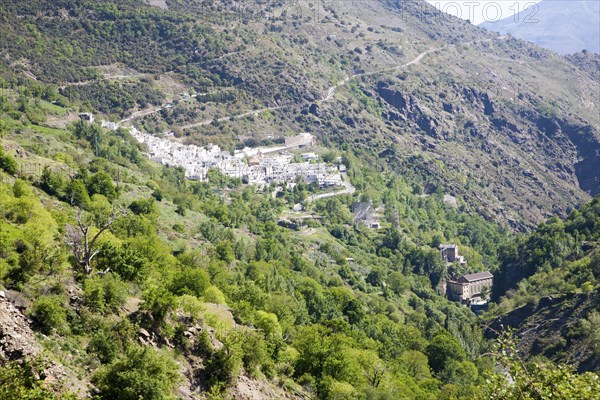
[
  {"x": 521, "y": 117},
  {"x": 563, "y": 26},
  {"x": 547, "y": 290},
  {"x": 558, "y": 327},
  {"x": 149, "y": 285}
]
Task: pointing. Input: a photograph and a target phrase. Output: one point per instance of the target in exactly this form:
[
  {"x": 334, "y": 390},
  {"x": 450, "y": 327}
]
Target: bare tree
[{"x": 81, "y": 240}]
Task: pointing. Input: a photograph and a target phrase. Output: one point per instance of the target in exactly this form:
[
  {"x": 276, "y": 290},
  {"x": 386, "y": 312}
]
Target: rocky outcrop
[
  {"x": 587, "y": 144},
  {"x": 551, "y": 328},
  {"x": 411, "y": 109},
  {"x": 480, "y": 99},
  {"x": 18, "y": 343},
  {"x": 587, "y": 61}
]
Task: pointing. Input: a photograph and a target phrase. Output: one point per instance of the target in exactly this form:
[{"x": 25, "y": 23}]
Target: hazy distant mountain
[{"x": 564, "y": 26}]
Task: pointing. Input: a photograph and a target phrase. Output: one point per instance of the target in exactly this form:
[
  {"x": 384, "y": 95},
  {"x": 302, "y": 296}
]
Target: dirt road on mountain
[
  {"x": 331, "y": 91},
  {"x": 348, "y": 189},
  {"x": 328, "y": 96}
]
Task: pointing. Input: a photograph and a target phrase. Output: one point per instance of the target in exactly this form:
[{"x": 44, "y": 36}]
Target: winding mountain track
[
  {"x": 232, "y": 117},
  {"x": 331, "y": 91},
  {"x": 328, "y": 96},
  {"x": 141, "y": 113},
  {"x": 348, "y": 189}
]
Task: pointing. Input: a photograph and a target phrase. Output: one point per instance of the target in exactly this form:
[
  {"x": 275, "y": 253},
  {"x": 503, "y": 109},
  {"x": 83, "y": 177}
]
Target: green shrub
[
  {"x": 49, "y": 314},
  {"x": 21, "y": 381},
  {"x": 110, "y": 341},
  {"x": 21, "y": 189},
  {"x": 94, "y": 294},
  {"x": 214, "y": 295},
  {"x": 142, "y": 373},
  {"x": 144, "y": 207},
  {"x": 224, "y": 365},
  {"x": 179, "y": 228},
  {"x": 52, "y": 182},
  {"x": 190, "y": 280},
  {"x": 103, "y": 346},
  {"x": 101, "y": 292},
  {"x": 8, "y": 163},
  {"x": 159, "y": 302}
]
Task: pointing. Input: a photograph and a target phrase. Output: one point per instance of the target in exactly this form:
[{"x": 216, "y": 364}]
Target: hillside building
[
  {"x": 88, "y": 117},
  {"x": 364, "y": 213},
  {"x": 470, "y": 288},
  {"x": 450, "y": 254}
]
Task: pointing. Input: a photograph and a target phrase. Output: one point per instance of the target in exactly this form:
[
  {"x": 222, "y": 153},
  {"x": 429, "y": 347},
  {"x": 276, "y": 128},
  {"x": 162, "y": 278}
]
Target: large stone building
[
  {"x": 450, "y": 254},
  {"x": 470, "y": 288}
]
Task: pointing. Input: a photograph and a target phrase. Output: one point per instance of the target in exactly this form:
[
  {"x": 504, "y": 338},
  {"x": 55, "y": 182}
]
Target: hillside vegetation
[
  {"x": 176, "y": 272},
  {"x": 121, "y": 279},
  {"x": 547, "y": 289}
]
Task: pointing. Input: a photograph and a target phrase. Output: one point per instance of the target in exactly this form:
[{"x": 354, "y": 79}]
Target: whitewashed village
[{"x": 255, "y": 166}]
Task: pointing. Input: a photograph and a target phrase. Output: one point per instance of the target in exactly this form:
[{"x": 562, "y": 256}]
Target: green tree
[
  {"x": 190, "y": 280},
  {"x": 142, "y": 373},
  {"x": 268, "y": 324},
  {"x": 52, "y": 182},
  {"x": 83, "y": 236},
  {"x": 77, "y": 194},
  {"x": 101, "y": 183},
  {"x": 398, "y": 282},
  {"x": 416, "y": 364},
  {"x": 225, "y": 251},
  {"x": 21, "y": 189},
  {"x": 443, "y": 349},
  {"x": 460, "y": 373}
]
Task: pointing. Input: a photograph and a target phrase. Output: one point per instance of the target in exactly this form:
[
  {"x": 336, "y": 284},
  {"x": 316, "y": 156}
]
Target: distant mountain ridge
[{"x": 564, "y": 26}]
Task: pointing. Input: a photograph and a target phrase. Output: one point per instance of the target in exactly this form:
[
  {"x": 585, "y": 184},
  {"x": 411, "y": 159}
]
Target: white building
[{"x": 261, "y": 169}]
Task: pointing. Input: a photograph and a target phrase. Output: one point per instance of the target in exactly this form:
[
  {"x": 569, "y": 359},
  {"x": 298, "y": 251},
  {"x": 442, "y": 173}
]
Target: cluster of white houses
[{"x": 259, "y": 166}]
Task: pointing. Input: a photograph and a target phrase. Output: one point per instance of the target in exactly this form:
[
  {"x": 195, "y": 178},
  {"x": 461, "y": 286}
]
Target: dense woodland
[{"x": 151, "y": 286}]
